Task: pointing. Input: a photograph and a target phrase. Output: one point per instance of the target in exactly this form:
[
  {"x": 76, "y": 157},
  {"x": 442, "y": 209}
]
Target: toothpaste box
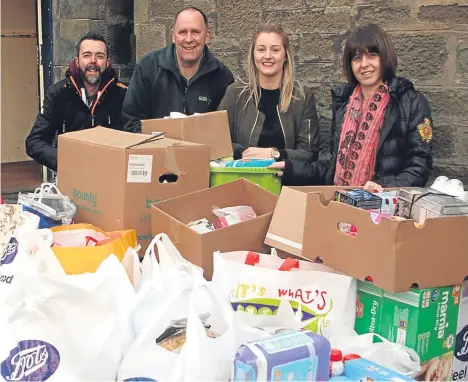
[
  {"x": 288, "y": 356},
  {"x": 364, "y": 370},
  {"x": 422, "y": 319}
]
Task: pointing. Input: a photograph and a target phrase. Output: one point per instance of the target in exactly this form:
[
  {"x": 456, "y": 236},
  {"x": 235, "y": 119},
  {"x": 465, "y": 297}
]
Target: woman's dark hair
[{"x": 372, "y": 39}]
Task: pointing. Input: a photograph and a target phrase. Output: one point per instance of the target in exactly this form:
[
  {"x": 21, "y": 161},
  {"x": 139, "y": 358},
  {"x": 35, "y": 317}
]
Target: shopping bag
[
  {"x": 162, "y": 275},
  {"x": 81, "y": 248},
  {"x": 397, "y": 357},
  {"x": 65, "y": 327},
  {"x": 49, "y": 204},
  {"x": 201, "y": 357},
  {"x": 256, "y": 283}
]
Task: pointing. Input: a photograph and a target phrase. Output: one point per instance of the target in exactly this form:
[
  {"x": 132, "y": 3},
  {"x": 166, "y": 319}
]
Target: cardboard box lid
[
  {"x": 211, "y": 129},
  {"x": 103, "y": 136},
  {"x": 395, "y": 254}
]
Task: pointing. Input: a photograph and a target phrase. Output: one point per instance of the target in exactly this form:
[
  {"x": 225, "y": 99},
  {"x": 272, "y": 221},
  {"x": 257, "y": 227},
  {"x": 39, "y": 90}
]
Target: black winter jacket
[
  {"x": 64, "y": 111},
  {"x": 157, "y": 88},
  {"x": 404, "y": 156},
  {"x": 299, "y": 123}
]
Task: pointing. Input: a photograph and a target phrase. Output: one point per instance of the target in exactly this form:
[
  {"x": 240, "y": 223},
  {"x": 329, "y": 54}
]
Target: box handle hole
[
  {"x": 347, "y": 229},
  {"x": 168, "y": 178}
]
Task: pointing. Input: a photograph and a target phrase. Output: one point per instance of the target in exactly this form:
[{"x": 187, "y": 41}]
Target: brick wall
[
  {"x": 431, "y": 37},
  {"x": 74, "y": 18}
]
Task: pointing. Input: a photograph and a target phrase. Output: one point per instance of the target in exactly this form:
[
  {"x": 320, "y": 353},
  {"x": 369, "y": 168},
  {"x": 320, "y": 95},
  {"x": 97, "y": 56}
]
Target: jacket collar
[
  {"x": 396, "y": 87},
  {"x": 168, "y": 61}
]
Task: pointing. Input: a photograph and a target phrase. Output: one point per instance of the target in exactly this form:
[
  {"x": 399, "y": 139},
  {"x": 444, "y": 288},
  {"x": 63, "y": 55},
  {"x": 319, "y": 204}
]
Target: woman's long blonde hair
[{"x": 288, "y": 82}]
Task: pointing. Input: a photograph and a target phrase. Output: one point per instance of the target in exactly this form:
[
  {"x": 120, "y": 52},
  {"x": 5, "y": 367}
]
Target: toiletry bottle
[{"x": 336, "y": 363}]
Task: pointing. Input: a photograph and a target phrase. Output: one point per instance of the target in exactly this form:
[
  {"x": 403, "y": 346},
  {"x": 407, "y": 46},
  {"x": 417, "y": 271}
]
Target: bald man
[{"x": 183, "y": 77}]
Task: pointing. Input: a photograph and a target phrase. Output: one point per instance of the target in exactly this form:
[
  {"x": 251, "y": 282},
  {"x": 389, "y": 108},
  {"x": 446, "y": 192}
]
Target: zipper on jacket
[
  {"x": 63, "y": 126},
  {"x": 282, "y": 128},
  {"x": 108, "y": 119},
  {"x": 309, "y": 131},
  {"x": 185, "y": 99},
  {"x": 100, "y": 93},
  {"x": 253, "y": 127}
]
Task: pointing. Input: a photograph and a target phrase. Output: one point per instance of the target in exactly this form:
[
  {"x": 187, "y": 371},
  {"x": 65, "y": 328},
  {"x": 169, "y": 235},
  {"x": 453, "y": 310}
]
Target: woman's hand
[
  {"x": 373, "y": 186},
  {"x": 257, "y": 153},
  {"x": 278, "y": 166}
]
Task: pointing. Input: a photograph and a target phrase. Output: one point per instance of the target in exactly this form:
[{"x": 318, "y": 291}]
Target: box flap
[
  {"x": 211, "y": 129},
  {"x": 286, "y": 230},
  {"x": 109, "y": 137}
]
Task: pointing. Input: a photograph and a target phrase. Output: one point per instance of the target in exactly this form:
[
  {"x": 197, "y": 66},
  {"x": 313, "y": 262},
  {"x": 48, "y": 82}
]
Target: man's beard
[{"x": 91, "y": 79}]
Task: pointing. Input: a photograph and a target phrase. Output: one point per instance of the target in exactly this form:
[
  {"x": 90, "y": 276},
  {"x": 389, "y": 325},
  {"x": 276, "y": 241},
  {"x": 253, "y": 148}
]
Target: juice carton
[{"x": 422, "y": 319}]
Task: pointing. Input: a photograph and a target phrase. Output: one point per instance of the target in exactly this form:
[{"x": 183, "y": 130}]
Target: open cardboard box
[
  {"x": 395, "y": 254},
  {"x": 172, "y": 216},
  {"x": 114, "y": 177},
  {"x": 211, "y": 129}
]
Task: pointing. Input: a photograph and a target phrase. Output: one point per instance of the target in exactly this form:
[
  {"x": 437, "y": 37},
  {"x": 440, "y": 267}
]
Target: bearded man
[{"x": 90, "y": 96}]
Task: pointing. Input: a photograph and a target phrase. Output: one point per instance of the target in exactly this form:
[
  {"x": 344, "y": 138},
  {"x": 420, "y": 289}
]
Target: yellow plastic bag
[{"x": 81, "y": 248}]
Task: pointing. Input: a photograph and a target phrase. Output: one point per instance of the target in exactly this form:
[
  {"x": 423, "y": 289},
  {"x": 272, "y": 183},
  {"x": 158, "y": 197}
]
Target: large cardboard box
[
  {"x": 211, "y": 129},
  {"x": 114, "y": 177},
  {"x": 395, "y": 254},
  {"x": 172, "y": 216}
]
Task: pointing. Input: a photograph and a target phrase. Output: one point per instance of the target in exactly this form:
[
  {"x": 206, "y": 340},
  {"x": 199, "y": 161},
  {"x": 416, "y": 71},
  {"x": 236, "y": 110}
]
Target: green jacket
[{"x": 299, "y": 123}]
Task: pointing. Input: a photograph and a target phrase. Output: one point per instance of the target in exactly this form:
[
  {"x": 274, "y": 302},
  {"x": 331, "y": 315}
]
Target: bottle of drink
[{"x": 336, "y": 363}]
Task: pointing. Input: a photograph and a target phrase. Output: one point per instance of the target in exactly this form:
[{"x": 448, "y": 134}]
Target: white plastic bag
[
  {"x": 326, "y": 298},
  {"x": 66, "y": 327},
  {"x": 159, "y": 279},
  {"x": 201, "y": 358},
  {"x": 393, "y": 356}
]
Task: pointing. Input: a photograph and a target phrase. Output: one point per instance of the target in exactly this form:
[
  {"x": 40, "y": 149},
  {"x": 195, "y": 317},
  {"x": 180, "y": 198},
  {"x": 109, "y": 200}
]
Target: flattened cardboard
[
  {"x": 211, "y": 129},
  {"x": 92, "y": 171},
  {"x": 396, "y": 254},
  {"x": 172, "y": 216}
]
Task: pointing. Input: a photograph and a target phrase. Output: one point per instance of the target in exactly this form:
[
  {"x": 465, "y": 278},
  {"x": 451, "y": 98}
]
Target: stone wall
[
  {"x": 74, "y": 18},
  {"x": 431, "y": 37}
]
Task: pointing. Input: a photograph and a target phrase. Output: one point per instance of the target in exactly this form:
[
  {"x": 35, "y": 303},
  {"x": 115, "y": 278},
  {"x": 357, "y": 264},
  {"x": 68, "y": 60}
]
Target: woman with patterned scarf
[{"x": 382, "y": 126}]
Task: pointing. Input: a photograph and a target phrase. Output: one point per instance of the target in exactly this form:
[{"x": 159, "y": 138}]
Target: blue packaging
[
  {"x": 288, "y": 356},
  {"x": 364, "y": 370},
  {"x": 251, "y": 163},
  {"x": 339, "y": 378}
]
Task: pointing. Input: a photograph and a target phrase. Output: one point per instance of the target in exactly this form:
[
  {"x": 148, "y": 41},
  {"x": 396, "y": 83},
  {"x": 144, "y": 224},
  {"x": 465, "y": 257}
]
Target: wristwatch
[{"x": 275, "y": 154}]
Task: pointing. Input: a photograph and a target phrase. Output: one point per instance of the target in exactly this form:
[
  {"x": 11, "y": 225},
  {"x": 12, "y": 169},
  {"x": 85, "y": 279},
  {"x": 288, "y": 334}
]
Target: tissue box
[
  {"x": 289, "y": 356},
  {"x": 363, "y": 370}
]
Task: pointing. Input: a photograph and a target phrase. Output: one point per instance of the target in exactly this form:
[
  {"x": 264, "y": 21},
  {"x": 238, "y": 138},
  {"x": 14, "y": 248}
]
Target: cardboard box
[
  {"x": 424, "y": 320},
  {"x": 172, "y": 216},
  {"x": 395, "y": 254},
  {"x": 460, "y": 362},
  {"x": 114, "y": 177},
  {"x": 211, "y": 129}
]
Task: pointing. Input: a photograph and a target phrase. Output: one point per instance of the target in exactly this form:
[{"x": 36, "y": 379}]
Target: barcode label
[
  {"x": 139, "y": 168},
  {"x": 139, "y": 173}
]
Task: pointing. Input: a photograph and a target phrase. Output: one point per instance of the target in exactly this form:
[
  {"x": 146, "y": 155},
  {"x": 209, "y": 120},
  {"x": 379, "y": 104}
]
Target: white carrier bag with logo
[
  {"x": 65, "y": 327},
  {"x": 257, "y": 283}
]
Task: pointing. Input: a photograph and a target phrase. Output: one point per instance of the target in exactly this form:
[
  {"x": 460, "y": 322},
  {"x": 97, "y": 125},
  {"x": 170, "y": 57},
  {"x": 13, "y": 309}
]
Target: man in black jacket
[
  {"x": 91, "y": 95},
  {"x": 183, "y": 77}
]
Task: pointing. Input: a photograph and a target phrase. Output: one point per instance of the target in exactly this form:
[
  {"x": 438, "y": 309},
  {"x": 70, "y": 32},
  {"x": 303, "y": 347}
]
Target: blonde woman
[{"x": 272, "y": 115}]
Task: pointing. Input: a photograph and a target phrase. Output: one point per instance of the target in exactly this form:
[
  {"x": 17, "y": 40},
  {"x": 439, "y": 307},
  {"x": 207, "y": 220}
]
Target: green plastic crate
[{"x": 263, "y": 177}]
